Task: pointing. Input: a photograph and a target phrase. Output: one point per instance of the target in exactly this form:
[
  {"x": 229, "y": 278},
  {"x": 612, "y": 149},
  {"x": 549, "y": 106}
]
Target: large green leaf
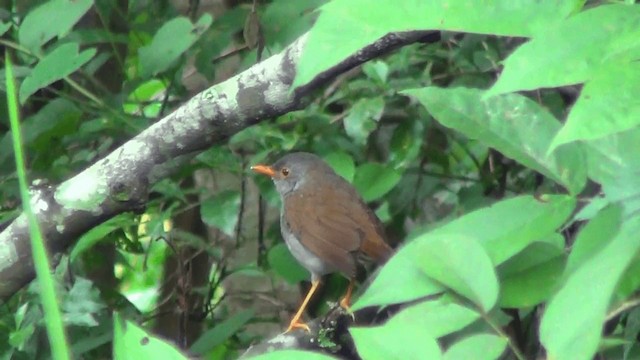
[
  {"x": 171, "y": 41},
  {"x": 606, "y": 105},
  {"x": 594, "y": 237},
  {"x": 406, "y": 278},
  {"x": 56, "y": 65},
  {"x": 459, "y": 263},
  {"x": 399, "y": 338},
  {"x": 37, "y": 28},
  {"x": 573, "y": 51},
  {"x": 327, "y": 44},
  {"x": 441, "y": 316},
  {"x": 532, "y": 276},
  {"x": 613, "y": 162},
  {"x": 512, "y": 124},
  {"x": 523, "y": 220},
  {"x": 131, "y": 342},
  {"x": 571, "y": 327}
]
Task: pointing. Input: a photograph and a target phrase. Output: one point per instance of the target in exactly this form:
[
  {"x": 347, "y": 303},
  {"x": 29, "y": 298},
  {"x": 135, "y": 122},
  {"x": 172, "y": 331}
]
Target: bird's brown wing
[{"x": 334, "y": 223}]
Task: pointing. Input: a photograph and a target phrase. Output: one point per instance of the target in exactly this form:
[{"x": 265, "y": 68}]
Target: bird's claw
[{"x": 298, "y": 325}]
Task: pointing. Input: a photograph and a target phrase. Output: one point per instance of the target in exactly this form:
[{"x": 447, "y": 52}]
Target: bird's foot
[
  {"x": 346, "y": 306},
  {"x": 297, "y": 325}
]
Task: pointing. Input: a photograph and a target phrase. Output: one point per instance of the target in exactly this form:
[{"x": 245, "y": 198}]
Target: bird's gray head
[{"x": 295, "y": 170}]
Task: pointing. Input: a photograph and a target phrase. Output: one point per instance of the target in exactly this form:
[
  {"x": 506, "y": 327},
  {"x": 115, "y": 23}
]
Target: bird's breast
[{"x": 310, "y": 261}]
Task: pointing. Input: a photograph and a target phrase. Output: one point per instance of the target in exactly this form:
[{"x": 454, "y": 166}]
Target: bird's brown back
[{"x": 338, "y": 225}]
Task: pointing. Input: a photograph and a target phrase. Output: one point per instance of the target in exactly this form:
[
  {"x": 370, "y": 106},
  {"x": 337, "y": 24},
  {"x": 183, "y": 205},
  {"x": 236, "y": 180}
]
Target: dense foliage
[{"x": 501, "y": 151}]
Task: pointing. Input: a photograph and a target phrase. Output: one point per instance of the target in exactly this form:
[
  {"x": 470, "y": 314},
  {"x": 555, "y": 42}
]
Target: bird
[{"x": 324, "y": 222}]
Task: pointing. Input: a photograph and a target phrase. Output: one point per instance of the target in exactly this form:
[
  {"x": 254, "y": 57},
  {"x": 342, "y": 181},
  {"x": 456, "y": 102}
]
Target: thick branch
[{"x": 120, "y": 182}]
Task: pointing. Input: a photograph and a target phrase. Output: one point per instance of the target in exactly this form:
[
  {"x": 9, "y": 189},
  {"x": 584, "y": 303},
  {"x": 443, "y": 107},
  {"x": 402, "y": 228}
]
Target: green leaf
[
  {"x": 342, "y": 164},
  {"x": 532, "y": 276},
  {"x": 284, "y": 20},
  {"x": 512, "y": 124},
  {"x": 221, "y": 211},
  {"x": 172, "y": 40},
  {"x": 376, "y": 70},
  {"x": 132, "y": 342},
  {"x": 442, "y": 316},
  {"x": 85, "y": 344},
  {"x": 406, "y": 143},
  {"x": 631, "y": 331},
  {"x": 4, "y": 27},
  {"x": 571, "y": 327},
  {"x": 606, "y": 105},
  {"x": 286, "y": 265},
  {"x": 478, "y": 346},
  {"x": 19, "y": 338},
  {"x": 375, "y": 180},
  {"x": 327, "y": 45},
  {"x": 459, "y": 263},
  {"x": 221, "y": 332},
  {"x": 56, "y": 65},
  {"x": 292, "y": 355},
  {"x": 57, "y": 118},
  {"x": 612, "y": 161},
  {"x": 390, "y": 340},
  {"x": 37, "y": 28},
  {"x": 590, "y": 210},
  {"x": 98, "y": 233},
  {"x": 594, "y": 237},
  {"x": 363, "y": 118},
  {"x": 572, "y": 52},
  {"x": 523, "y": 220},
  {"x": 406, "y": 278},
  {"x": 629, "y": 282},
  {"x": 81, "y": 303}
]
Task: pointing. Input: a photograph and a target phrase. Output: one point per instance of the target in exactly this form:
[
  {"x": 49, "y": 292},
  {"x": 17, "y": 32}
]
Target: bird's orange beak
[{"x": 263, "y": 169}]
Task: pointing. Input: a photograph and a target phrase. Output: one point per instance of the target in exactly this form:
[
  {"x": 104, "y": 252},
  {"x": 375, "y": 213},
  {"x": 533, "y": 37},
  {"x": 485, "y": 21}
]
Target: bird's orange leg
[
  {"x": 295, "y": 322},
  {"x": 345, "y": 303}
]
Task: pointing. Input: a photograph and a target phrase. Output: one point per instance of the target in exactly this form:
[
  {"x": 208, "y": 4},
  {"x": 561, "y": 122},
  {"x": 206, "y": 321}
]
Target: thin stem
[
  {"x": 627, "y": 305},
  {"x": 501, "y": 333},
  {"x": 53, "y": 319}
]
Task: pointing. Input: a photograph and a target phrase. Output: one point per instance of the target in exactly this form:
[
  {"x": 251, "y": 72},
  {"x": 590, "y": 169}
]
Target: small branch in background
[
  {"x": 252, "y": 32},
  {"x": 421, "y": 174},
  {"x": 261, "y": 247},
  {"x": 165, "y": 99},
  {"x": 340, "y": 79},
  {"x": 243, "y": 199},
  {"x": 627, "y": 305},
  {"x": 181, "y": 291},
  {"x": 229, "y": 53},
  {"x": 194, "y": 5}
]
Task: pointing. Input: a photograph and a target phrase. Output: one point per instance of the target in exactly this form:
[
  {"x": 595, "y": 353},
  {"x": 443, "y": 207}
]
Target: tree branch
[{"x": 120, "y": 182}]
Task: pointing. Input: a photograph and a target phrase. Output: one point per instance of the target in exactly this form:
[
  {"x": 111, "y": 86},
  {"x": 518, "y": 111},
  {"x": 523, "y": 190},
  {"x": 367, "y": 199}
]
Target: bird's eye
[{"x": 285, "y": 171}]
